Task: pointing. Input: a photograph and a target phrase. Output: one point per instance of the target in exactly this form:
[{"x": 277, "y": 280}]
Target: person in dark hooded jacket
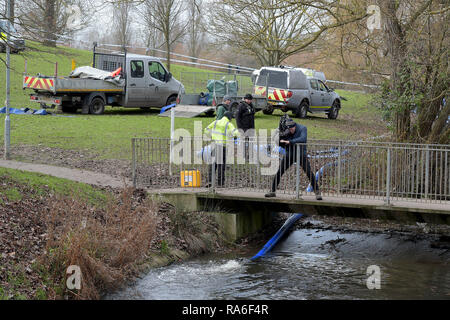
[
  {"x": 297, "y": 134},
  {"x": 245, "y": 116},
  {"x": 245, "y": 120}
]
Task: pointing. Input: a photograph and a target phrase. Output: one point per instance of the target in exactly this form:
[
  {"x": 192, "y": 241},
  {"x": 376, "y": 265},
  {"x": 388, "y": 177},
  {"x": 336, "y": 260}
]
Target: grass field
[
  {"x": 42, "y": 60},
  {"x": 109, "y": 135},
  {"x": 42, "y": 185}
]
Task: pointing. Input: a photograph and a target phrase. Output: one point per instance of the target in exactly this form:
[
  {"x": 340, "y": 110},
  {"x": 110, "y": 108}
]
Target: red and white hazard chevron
[{"x": 38, "y": 83}]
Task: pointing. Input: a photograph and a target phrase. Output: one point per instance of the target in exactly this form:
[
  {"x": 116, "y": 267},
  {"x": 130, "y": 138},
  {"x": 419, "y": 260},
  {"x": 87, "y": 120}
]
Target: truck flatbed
[{"x": 57, "y": 85}]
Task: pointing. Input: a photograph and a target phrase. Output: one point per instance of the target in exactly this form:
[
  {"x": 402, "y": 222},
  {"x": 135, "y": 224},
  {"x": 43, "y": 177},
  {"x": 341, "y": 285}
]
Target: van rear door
[{"x": 275, "y": 80}]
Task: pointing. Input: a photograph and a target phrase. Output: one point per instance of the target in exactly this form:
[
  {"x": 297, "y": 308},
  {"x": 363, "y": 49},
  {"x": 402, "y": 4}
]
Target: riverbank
[
  {"x": 117, "y": 235},
  {"x": 48, "y": 224}
]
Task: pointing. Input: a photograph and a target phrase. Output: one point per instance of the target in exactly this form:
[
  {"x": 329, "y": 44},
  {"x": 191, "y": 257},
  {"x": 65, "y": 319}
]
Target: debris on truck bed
[{"x": 87, "y": 72}]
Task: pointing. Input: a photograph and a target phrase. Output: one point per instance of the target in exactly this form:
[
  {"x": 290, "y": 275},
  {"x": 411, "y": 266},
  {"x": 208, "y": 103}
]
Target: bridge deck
[{"x": 372, "y": 202}]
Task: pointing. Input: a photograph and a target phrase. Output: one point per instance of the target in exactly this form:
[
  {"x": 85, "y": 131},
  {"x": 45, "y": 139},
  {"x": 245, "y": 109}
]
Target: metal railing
[{"x": 364, "y": 170}]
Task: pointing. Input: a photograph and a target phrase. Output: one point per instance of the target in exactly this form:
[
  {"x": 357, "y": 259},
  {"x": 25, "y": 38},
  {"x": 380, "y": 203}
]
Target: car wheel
[
  {"x": 302, "y": 110},
  {"x": 97, "y": 106},
  {"x": 171, "y": 100},
  {"x": 334, "y": 111},
  {"x": 268, "y": 109}
]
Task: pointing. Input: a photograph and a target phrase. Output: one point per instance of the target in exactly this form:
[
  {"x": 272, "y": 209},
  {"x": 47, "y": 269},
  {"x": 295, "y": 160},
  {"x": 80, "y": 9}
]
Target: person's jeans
[
  {"x": 287, "y": 161},
  {"x": 249, "y": 140},
  {"x": 219, "y": 152}
]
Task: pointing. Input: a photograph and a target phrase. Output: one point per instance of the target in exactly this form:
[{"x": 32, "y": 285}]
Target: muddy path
[{"x": 83, "y": 160}]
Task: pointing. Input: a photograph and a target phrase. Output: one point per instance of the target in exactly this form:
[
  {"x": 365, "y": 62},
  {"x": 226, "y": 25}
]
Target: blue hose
[{"x": 274, "y": 240}]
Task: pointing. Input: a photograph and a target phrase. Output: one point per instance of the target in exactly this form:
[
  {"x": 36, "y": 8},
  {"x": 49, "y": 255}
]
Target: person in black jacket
[
  {"x": 297, "y": 134},
  {"x": 245, "y": 120},
  {"x": 245, "y": 115}
]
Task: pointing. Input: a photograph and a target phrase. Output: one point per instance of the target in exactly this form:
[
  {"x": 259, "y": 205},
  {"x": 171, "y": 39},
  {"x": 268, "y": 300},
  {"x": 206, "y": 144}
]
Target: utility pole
[{"x": 8, "y": 53}]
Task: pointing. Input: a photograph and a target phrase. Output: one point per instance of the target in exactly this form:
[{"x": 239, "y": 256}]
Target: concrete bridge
[
  {"x": 380, "y": 180},
  {"x": 242, "y": 212}
]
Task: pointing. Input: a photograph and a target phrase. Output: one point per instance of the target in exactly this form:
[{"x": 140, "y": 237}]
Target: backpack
[
  {"x": 203, "y": 101},
  {"x": 282, "y": 127}
]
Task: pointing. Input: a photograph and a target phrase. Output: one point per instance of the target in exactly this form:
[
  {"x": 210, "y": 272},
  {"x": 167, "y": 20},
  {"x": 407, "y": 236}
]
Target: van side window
[
  {"x": 156, "y": 70},
  {"x": 322, "y": 86},
  {"x": 314, "y": 84},
  {"x": 137, "y": 68}
]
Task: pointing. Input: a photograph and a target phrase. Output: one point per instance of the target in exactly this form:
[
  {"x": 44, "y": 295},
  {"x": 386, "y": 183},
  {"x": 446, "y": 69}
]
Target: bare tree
[
  {"x": 417, "y": 44},
  {"x": 153, "y": 36},
  {"x": 411, "y": 47},
  {"x": 47, "y": 20},
  {"x": 166, "y": 16},
  {"x": 195, "y": 34},
  {"x": 273, "y": 30},
  {"x": 122, "y": 20}
]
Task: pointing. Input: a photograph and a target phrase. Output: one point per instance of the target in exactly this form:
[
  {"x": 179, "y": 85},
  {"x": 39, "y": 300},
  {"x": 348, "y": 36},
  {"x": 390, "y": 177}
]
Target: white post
[
  {"x": 388, "y": 178},
  {"x": 172, "y": 134},
  {"x": 8, "y": 51}
]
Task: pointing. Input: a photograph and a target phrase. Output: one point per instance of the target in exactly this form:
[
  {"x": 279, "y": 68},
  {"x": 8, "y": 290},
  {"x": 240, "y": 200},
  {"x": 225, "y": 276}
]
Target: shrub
[{"x": 104, "y": 243}]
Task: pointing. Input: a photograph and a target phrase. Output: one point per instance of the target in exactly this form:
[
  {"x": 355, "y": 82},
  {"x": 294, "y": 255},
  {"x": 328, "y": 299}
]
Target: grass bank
[
  {"x": 48, "y": 224},
  {"x": 108, "y": 136}
]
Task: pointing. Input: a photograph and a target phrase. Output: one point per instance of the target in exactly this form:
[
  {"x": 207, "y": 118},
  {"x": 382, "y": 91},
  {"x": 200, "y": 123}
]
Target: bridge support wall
[
  {"x": 239, "y": 216},
  {"x": 236, "y": 219}
]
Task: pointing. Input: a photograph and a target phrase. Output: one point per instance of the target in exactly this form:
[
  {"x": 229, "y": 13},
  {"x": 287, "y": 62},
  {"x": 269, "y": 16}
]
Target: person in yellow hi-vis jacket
[{"x": 221, "y": 131}]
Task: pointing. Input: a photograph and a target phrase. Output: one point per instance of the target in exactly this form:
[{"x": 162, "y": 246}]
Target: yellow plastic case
[{"x": 190, "y": 178}]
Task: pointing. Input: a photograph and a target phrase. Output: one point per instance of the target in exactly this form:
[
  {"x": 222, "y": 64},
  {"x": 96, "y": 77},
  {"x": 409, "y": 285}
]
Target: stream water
[{"x": 308, "y": 264}]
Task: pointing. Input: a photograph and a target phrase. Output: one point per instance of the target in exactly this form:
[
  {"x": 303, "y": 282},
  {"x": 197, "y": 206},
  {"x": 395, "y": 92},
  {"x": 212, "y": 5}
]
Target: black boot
[{"x": 318, "y": 195}]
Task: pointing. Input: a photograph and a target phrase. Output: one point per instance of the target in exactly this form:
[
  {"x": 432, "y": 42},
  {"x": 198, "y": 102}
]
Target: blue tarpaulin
[
  {"x": 164, "y": 109},
  {"x": 40, "y": 112}
]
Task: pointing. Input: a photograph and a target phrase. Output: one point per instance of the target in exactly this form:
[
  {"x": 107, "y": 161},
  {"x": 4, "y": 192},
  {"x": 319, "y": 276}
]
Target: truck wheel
[
  {"x": 97, "y": 106},
  {"x": 209, "y": 113},
  {"x": 334, "y": 111},
  {"x": 302, "y": 110},
  {"x": 268, "y": 109}
]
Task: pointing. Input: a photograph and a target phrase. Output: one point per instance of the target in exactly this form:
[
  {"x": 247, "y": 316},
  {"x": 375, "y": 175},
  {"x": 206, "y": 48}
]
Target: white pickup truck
[
  {"x": 297, "y": 89},
  {"x": 142, "y": 82}
]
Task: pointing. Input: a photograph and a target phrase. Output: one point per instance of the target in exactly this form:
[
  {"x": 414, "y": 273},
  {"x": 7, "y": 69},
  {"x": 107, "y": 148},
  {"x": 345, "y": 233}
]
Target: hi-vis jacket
[{"x": 222, "y": 130}]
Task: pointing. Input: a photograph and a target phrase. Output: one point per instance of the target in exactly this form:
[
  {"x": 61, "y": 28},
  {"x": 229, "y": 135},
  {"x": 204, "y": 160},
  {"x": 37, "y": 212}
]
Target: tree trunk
[
  {"x": 400, "y": 72},
  {"x": 50, "y": 23},
  {"x": 12, "y": 11},
  {"x": 168, "y": 53}
]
